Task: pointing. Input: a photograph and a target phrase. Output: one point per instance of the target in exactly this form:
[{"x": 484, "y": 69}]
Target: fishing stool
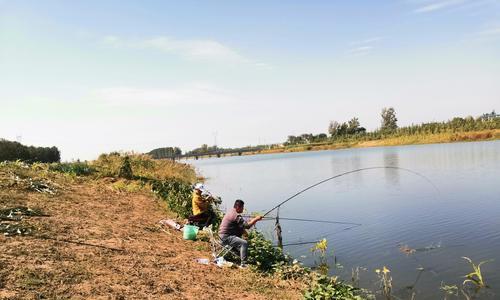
[{"x": 218, "y": 248}]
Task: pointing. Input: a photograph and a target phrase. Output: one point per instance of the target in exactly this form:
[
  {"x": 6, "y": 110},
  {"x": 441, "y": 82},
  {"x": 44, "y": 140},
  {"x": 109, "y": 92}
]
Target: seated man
[
  {"x": 232, "y": 228},
  {"x": 203, "y": 215}
]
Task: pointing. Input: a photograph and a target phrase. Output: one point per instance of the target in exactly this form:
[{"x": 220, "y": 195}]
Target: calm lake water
[{"x": 396, "y": 208}]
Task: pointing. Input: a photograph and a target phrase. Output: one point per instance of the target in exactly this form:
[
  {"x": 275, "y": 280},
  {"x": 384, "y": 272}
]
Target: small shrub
[
  {"x": 263, "y": 254},
  {"x": 126, "y": 169},
  {"x": 324, "y": 288},
  {"x": 176, "y": 193},
  {"x": 291, "y": 271}
]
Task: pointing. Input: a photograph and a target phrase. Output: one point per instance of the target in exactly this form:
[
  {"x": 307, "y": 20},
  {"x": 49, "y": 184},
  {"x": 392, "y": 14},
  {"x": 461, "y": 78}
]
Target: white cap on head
[{"x": 199, "y": 186}]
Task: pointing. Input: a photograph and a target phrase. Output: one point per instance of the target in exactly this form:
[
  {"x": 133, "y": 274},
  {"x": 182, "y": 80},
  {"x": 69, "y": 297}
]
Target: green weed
[
  {"x": 263, "y": 254},
  {"x": 385, "y": 281},
  {"x": 475, "y": 277},
  {"x": 74, "y": 168},
  {"x": 324, "y": 287}
]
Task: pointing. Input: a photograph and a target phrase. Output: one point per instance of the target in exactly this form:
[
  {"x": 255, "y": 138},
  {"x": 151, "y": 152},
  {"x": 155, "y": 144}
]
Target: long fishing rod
[
  {"x": 304, "y": 220},
  {"x": 310, "y": 220},
  {"x": 346, "y": 173}
]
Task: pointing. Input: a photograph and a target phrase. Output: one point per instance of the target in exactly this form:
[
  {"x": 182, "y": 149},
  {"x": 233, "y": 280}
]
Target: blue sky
[{"x": 98, "y": 76}]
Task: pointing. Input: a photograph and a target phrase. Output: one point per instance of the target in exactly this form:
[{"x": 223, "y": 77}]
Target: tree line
[
  {"x": 352, "y": 129},
  {"x": 165, "y": 152},
  {"x": 12, "y": 151}
]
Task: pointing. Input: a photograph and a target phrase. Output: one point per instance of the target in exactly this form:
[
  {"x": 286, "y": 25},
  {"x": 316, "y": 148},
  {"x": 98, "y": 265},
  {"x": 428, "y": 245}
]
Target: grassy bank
[{"x": 82, "y": 230}]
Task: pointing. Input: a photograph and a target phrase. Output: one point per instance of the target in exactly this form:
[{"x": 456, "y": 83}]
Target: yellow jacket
[{"x": 200, "y": 203}]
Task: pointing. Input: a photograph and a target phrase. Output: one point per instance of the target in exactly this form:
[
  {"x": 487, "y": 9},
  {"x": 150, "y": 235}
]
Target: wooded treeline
[
  {"x": 353, "y": 131},
  {"x": 12, "y": 151},
  {"x": 166, "y": 152}
]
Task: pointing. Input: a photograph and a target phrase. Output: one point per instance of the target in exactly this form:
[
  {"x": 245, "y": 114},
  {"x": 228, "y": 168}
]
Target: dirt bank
[{"x": 133, "y": 257}]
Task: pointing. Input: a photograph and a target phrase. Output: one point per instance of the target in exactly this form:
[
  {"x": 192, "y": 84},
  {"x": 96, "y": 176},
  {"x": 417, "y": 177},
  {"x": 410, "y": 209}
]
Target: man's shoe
[{"x": 243, "y": 266}]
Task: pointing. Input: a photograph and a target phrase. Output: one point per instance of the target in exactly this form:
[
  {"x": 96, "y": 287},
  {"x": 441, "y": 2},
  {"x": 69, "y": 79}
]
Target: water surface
[{"x": 395, "y": 208}]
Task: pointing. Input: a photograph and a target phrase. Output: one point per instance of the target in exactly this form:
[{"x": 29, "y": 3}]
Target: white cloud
[
  {"x": 368, "y": 41},
  {"x": 160, "y": 97},
  {"x": 361, "y": 50},
  {"x": 472, "y": 7},
  {"x": 197, "y": 49},
  {"x": 363, "y": 47},
  {"x": 191, "y": 49},
  {"x": 438, "y": 5}
]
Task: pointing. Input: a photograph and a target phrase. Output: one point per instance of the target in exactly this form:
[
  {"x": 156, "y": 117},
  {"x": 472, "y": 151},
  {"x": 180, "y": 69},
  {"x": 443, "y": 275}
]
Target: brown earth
[{"x": 133, "y": 257}]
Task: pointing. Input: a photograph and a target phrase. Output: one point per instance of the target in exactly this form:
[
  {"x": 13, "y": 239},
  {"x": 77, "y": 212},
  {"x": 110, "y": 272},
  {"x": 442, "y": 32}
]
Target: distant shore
[
  {"x": 449, "y": 137},
  {"x": 417, "y": 139}
]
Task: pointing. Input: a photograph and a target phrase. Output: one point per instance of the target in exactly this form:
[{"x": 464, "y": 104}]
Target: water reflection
[{"x": 391, "y": 159}]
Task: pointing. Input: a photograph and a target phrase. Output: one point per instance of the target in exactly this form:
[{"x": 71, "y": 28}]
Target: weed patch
[
  {"x": 324, "y": 287},
  {"x": 262, "y": 253},
  {"x": 74, "y": 168},
  {"x": 176, "y": 193}
]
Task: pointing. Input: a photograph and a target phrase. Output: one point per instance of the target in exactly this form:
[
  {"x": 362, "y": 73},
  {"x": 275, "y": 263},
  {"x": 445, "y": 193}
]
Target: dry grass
[
  {"x": 59, "y": 262},
  {"x": 144, "y": 166}
]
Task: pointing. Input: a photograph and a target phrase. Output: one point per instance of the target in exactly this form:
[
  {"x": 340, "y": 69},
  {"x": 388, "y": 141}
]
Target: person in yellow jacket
[{"x": 203, "y": 214}]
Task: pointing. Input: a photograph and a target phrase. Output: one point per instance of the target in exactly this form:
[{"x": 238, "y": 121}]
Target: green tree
[
  {"x": 333, "y": 128},
  {"x": 353, "y": 126},
  {"x": 166, "y": 152},
  {"x": 389, "y": 120}
]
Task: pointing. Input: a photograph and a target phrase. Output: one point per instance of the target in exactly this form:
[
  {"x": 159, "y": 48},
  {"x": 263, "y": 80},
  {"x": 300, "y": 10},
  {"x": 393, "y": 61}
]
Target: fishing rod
[
  {"x": 311, "y": 220},
  {"x": 346, "y": 173},
  {"x": 303, "y": 220}
]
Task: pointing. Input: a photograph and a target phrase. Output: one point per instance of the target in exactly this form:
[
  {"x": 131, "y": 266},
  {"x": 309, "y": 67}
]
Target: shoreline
[{"x": 427, "y": 139}]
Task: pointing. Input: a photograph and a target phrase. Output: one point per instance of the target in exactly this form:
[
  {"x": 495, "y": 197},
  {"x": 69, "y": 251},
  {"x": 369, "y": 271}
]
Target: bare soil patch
[{"x": 95, "y": 242}]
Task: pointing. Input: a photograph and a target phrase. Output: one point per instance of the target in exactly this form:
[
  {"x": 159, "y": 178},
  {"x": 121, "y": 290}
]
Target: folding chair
[{"x": 219, "y": 249}]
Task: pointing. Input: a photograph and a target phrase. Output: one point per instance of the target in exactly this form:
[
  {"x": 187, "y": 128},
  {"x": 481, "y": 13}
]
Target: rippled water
[{"x": 395, "y": 208}]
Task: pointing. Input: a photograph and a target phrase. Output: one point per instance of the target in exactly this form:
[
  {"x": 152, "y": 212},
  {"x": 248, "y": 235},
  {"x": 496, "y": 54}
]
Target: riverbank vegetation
[
  {"x": 94, "y": 220},
  {"x": 79, "y": 230},
  {"x": 351, "y": 133}
]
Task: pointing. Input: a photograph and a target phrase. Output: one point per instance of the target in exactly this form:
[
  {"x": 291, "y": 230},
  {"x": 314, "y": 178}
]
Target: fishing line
[
  {"x": 310, "y": 220},
  {"x": 351, "y": 172},
  {"x": 324, "y": 236}
]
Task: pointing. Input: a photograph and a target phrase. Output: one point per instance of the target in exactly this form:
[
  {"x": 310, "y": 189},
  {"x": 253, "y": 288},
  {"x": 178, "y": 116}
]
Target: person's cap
[{"x": 199, "y": 186}]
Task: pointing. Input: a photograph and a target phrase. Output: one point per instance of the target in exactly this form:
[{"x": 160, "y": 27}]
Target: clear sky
[{"x": 97, "y": 76}]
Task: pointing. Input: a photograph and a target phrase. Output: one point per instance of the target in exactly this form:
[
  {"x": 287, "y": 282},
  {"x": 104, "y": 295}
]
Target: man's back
[{"x": 232, "y": 224}]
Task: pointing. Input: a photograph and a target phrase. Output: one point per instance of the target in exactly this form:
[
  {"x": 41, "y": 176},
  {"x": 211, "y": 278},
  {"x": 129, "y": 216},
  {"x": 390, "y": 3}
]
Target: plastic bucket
[{"x": 190, "y": 232}]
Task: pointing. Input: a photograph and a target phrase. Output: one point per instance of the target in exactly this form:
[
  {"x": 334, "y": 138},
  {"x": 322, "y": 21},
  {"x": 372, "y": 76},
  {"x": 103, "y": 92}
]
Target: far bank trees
[
  {"x": 336, "y": 129},
  {"x": 389, "y": 122},
  {"x": 12, "y": 151}
]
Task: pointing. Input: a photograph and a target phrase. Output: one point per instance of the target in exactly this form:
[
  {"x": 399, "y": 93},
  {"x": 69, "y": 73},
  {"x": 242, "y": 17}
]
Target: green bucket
[{"x": 190, "y": 232}]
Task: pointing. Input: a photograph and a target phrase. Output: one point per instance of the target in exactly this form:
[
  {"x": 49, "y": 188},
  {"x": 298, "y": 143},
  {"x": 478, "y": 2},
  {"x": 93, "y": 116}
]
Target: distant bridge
[{"x": 217, "y": 153}]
